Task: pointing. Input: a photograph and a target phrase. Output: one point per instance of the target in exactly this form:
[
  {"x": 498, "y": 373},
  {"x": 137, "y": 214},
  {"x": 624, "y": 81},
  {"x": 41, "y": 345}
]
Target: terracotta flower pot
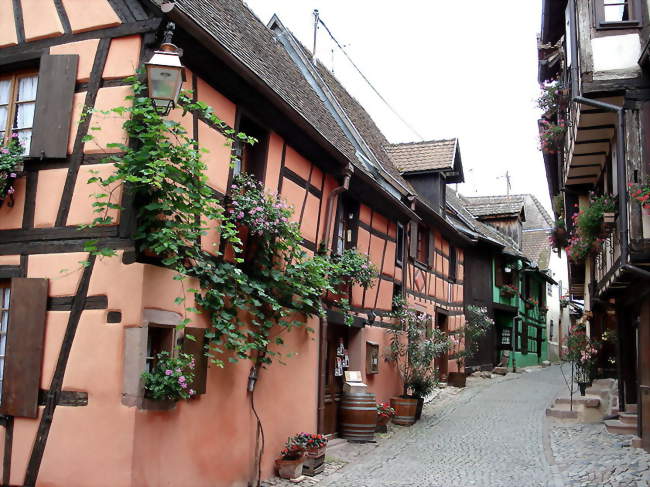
[
  {"x": 456, "y": 379},
  {"x": 289, "y": 469}
]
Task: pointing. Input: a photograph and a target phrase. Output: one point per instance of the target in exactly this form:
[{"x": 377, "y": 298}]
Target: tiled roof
[
  {"x": 536, "y": 247},
  {"x": 494, "y": 205},
  {"x": 423, "y": 156},
  {"x": 232, "y": 24},
  {"x": 536, "y": 215}
]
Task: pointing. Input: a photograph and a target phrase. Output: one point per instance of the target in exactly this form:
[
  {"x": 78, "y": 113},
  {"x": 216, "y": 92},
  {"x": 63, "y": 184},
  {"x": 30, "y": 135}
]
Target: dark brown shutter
[
  {"x": 413, "y": 235},
  {"x": 24, "y": 350},
  {"x": 53, "y": 115},
  {"x": 432, "y": 249},
  {"x": 498, "y": 272},
  {"x": 197, "y": 350}
]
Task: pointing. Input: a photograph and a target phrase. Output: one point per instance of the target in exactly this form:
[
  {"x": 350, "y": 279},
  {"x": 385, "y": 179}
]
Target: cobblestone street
[{"x": 491, "y": 435}]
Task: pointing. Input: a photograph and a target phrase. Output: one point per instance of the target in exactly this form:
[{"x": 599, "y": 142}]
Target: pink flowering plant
[
  {"x": 170, "y": 377},
  {"x": 588, "y": 233},
  {"x": 641, "y": 193},
  {"x": 11, "y": 156},
  {"x": 552, "y": 97},
  {"x": 551, "y": 135}
]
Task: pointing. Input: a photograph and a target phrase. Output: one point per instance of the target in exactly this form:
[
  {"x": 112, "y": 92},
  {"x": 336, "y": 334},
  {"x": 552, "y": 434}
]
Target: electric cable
[{"x": 390, "y": 107}]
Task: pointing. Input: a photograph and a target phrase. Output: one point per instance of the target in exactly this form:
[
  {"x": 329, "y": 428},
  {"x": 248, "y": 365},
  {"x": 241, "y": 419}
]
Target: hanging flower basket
[
  {"x": 11, "y": 162},
  {"x": 508, "y": 291}
]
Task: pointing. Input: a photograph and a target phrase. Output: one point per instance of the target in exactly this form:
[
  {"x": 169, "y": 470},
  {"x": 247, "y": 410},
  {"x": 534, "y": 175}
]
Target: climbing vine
[{"x": 258, "y": 282}]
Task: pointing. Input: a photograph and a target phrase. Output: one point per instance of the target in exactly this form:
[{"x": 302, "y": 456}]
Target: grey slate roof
[
  {"x": 423, "y": 156},
  {"x": 536, "y": 247},
  {"x": 233, "y": 25},
  {"x": 481, "y": 206},
  {"x": 536, "y": 215}
]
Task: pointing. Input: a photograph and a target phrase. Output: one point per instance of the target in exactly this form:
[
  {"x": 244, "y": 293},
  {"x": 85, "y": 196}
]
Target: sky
[{"x": 465, "y": 69}]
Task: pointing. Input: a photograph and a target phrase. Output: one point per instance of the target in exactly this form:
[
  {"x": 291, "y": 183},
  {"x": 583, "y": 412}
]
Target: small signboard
[{"x": 353, "y": 376}]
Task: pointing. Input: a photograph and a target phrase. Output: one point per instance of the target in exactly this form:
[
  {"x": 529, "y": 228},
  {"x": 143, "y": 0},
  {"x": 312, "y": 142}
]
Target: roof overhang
[
  {"x": 592, "y": 144},
  {"x": 552, "y": 20}
]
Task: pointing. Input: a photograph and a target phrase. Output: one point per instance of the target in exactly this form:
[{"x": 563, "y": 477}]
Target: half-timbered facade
[
  {"x": 78, "y": 331},
  {"x": 598, "y": 51}
]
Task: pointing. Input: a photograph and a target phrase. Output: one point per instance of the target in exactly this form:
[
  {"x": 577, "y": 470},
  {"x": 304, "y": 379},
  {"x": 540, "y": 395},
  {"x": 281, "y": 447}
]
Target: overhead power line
[{"x": 341, "y": 48}]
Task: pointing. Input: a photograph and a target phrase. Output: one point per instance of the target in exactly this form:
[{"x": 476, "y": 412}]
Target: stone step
[
  {"x": 586, "y": 401},
  {"x": 596, "y": 391},
  {"x": 608, "y": 383},
  {"x": 629, "y": 418},
  {"x": 636, "y": 442},
  {"x": 562, "y": 413},
  {"x": 618, "y": 427},
  {"x": 630, "y": 408}
]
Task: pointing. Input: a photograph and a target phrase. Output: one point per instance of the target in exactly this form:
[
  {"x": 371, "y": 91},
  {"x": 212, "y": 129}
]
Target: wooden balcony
[{"x": 606, "y": 262}]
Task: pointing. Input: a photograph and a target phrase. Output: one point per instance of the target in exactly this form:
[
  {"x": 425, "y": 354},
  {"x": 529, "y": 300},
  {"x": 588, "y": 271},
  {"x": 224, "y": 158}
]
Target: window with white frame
[
  {"x": 17, "y": 106},
  {"x": 5, "y": 294}
]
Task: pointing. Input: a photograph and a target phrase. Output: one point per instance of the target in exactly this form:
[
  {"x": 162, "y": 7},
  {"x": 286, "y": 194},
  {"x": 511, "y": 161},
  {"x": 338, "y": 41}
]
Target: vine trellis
[{"x": 259, "y": 282}]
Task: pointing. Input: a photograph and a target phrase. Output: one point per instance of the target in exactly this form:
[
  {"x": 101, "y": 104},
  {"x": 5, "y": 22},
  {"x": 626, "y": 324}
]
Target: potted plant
[
  {"x": 315, "y": 446},
  {"x": 291, "y": 460},
  {"x": 384, "y": 415},
  {"x": 581, "y": 350},
  {"x": 508, "y": 290},
  {"x": 465, "y": 341},
  {"x": 414, "y": 344},
  {"x": 551, "y": 135},
  {"x": 559, "y": 237},
  {"x": 641, "y": 194},
  {"x": 530, "y": 303},
  {"x": 169, "y": 380},
  {"x": 11, "y": 161}
]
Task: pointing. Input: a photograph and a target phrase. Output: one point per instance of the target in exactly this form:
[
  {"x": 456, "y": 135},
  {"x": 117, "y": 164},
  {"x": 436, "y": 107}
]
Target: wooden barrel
[
  {"x": 405, "y": 409},
  {"x": 358, "y": 413}
]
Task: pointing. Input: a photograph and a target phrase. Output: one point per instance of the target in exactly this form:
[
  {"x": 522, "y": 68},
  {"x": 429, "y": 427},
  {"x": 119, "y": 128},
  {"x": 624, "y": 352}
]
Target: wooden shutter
[
  {"x": 24, "y": 350},
  {"x": 53, "y": 114},
  {"x": 431, "y": 250},
  {"x": 413, "y": 244},
  {"x": 197, "y": 350},
  {"x": 498, "y": 272}
]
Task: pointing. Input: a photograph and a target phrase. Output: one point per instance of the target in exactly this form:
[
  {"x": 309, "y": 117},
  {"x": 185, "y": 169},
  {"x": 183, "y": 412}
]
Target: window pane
[
  {"x": 27, "y": 88},
  {"x": 3, "y": 344},
  {"x": 616, "y": 11},
  {"x": 5, "y": 300},
  {"x": 3, "y": 118},
  {"x": 5, "y": 86},
  {"x": 25, "y": 137},
  {"x": 24, "y": 115}
]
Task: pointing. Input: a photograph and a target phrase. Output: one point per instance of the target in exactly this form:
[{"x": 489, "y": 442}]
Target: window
[
  {"x": 345, "y": 237},
  {"x": 423, "y": 244},
  {"x": 251, "y": 159},
  {"x": 159, "y": 339},
  {"x": 5, "y": 294},
  {"x": 452, "y": 263},
  {"x": 616, "y": 14},
  {"x": 17, "y": 107},
  {"x": 399, "y": 249}
]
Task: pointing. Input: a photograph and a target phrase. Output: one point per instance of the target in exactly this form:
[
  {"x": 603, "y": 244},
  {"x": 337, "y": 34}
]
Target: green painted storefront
[{"x": 517, "y": 322}]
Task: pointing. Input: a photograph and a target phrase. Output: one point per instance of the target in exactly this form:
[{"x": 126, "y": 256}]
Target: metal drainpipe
[{"x": 323, "y": 325}]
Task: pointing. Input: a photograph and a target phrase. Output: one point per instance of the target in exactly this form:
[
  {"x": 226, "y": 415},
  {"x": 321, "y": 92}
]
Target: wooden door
[
  {"x": 336, "y": 335},
  {"x": 443, "y": 361},
  {"x": 644, "y": 375}
]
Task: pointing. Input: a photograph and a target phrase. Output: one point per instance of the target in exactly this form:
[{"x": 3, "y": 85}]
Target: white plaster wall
[
  {"x": 558, "y": 267},
  {"x": 612, "y": 53}
]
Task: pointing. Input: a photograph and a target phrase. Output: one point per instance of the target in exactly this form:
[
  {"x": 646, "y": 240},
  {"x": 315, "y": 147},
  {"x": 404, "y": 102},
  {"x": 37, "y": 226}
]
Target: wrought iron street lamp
[{"x": 165, "y": 74}]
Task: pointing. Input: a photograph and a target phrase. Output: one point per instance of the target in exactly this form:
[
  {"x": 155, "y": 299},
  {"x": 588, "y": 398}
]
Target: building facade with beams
[
  {"x": 78, "y": 336},
  {"x": 598, "y": 51}
]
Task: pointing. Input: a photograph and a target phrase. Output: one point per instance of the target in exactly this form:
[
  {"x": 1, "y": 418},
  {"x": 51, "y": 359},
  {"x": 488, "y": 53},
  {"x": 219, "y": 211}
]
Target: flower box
[
  {"x": 314, "y": 461},
  {"x": 289, "y": 468},
  {"x": 507, "y": 292}
]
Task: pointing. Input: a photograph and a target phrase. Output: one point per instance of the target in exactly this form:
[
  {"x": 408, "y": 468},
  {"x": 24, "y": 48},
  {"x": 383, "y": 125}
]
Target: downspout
[{"x": 323, "y": 325}]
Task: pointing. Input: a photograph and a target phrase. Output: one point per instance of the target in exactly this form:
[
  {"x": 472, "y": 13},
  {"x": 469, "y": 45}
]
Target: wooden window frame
[
  {"x": 399, "y": 246},
  {"x": 636, "y": 16},
  {"x": 5, "y": 284},
  {"x": 12, "y": 104},
  {"x": 422, "y": 253}
]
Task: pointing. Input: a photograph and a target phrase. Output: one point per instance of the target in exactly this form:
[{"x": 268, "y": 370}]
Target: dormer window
[{"x": 617, "y": 14}]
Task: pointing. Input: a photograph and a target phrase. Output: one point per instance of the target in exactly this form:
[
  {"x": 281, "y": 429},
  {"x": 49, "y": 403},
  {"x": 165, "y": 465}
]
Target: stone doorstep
[
  {"x": 631, "y": 408},
  {"x": 500, "y": 370},
  {"x": 636, "y": 442},
  {"x": 618, "y": 427},
  {"x": 629, "y": 418},
  {"x": 586, "y": 401},
  {"x": 609, "y": 383},
  {"x": 562, "y": 413},
  {"x": 595, "y": 391}
]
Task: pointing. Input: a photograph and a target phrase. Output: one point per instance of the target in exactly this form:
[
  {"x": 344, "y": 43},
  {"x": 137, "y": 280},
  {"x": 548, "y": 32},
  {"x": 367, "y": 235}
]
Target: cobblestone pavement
[
  {"x": 490, "y": 435},
  {"x": 587, "y": 455}
]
